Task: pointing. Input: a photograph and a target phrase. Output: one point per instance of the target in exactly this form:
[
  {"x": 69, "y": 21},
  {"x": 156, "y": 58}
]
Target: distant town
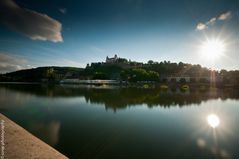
[{"x": 117, "y": 70}]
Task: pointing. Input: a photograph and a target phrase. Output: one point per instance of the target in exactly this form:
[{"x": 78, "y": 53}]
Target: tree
[
  {"x": 153, "y": 76},
  {"x": 150, "y": 62},
  {"x": 122, "y": 60},
  {"x": 50, "y": 74},
  {"x": 139, "y": 74}
]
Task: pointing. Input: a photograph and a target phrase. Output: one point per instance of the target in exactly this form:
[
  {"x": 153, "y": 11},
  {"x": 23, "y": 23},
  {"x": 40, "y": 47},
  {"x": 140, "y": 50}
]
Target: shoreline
[{"x": 135, "y": 84}]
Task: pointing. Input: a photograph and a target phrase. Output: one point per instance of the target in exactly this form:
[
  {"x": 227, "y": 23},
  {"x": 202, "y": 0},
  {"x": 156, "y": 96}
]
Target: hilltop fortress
[
  {"x": 111, "y": 60},
  {"x": 117, "y": 61}
]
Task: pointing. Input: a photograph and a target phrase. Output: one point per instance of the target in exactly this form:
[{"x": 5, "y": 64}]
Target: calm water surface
[{"x": 121, "y": 123}]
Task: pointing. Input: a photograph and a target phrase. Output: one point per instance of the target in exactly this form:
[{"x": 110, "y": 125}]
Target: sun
[
  {"x": 212, "y": 49},
  {"x": 213, "y": 120}
]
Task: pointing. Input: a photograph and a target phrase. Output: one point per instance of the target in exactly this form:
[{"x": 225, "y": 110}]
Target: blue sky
[{"x": 77, "y": 32}]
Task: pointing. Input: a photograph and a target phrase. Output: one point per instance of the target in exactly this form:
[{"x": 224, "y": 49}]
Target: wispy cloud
[
  {"x": 63, "y": 10},
  {"x": 9, "y": 63},
  {"x": 225, "y": 16},
  {"x": 212, "y": 21},
  {"x": 34, "y": 25}
]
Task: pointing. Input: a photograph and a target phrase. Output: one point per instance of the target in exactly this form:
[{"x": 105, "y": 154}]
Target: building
[{"x": 111, "y": 60}]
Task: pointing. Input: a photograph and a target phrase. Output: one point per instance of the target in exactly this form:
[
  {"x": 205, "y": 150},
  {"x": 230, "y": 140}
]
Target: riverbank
[
  {"x": 142, "y": 84},
  {"x": 17, "y": 143}
]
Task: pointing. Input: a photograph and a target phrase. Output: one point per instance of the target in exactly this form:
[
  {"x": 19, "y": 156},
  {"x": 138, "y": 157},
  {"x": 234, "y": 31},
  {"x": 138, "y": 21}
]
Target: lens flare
[{"x": 212, "y": 49}]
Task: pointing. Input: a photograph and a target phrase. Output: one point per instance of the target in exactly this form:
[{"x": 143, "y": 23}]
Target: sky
[{"x": 76, "y": 32}]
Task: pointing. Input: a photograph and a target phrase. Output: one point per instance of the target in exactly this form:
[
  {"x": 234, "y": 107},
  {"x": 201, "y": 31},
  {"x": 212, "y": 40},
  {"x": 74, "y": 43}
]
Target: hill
[{"x": 41, "y": 74}]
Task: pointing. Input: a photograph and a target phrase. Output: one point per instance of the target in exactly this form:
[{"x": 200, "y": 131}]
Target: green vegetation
[
  {"x": 146, "y": 86},
  {"x": 51, "y": 74},
  {"x": 134, "y": 75},
  {"x": 184, "y": 88},
  {"x": 164, "y": 87}
]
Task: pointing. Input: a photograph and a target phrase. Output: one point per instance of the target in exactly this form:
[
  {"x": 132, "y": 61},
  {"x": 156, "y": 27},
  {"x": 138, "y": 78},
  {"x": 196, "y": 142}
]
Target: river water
[{"x": 120, "y": 123}]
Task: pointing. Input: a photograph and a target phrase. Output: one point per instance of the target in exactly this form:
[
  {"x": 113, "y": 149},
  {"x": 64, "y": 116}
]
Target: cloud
[
  {"x": 63, "y": 10},
  {"x": 212, "y": 21},
  {"x": 225, "y": 16},
  {"x": 9, "y": 63},
  {"x": 201, "y": 26},
  {"x": 32, "y": 24}
]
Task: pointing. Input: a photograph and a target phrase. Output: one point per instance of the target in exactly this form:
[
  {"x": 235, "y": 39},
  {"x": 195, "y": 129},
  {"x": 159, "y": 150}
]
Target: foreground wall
[{"x": 17, "y": 143}]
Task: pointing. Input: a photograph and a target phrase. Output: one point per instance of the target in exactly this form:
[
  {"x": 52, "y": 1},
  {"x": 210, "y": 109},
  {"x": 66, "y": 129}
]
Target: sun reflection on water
[{"x": 213, "y": 120}]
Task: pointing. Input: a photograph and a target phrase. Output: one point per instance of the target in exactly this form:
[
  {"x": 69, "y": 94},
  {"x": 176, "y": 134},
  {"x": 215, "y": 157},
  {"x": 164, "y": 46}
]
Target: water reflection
[
  {"x": 213, "y": 120},
  {"x": 214, "y": 141},
  {"x": 213, "y": 149},
  {"x": 119, "y": 98},
  {"x": 201, "y": 143},
  {"x": 48, "y": 132}
]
